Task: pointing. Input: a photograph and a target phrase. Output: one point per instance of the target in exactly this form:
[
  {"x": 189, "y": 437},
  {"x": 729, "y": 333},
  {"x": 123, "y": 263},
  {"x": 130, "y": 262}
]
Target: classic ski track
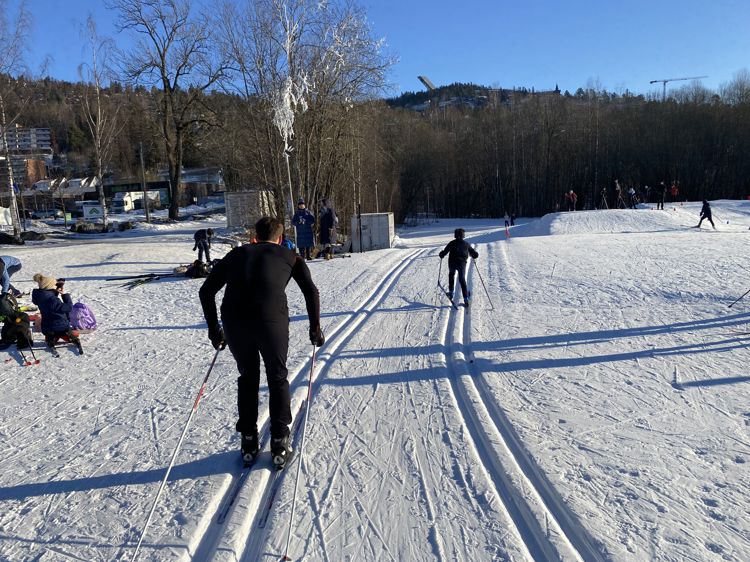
[
  {"x": 209, "y": 541},
  {"x": 530, "y": 490},
  {"x": 364, "y": 512}
]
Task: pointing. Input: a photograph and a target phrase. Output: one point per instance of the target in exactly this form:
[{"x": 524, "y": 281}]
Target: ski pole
[
  {"x": 476, "y": 268},
  {"x": 739, "y": 299},
  {"x": 174, "y": 455},
  {"x": 301, "y": 450},
  {"x": 440, "y": 270},
  {"x": 36, "y": 361},
  {"x": 26, "y": 362}
]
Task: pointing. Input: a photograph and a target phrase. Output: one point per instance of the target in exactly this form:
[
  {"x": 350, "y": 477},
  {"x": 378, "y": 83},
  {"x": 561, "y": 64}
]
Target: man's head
[
  {"x": 269, "y": 229},
  {"x": 210, "y": 232},
  {"x": 301, "y": 203},
  {"x": 459, "y": 233}
]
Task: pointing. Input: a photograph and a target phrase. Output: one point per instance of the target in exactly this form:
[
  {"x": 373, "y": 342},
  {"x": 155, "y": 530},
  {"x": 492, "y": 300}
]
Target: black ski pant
[
  {"x": 706, "y": 217},
  {"x": 461, "y": 269},
  {"x": 204, "y": 247},
  {"x": 248, "y": 344},
  {"x": 660, "y": 203}
]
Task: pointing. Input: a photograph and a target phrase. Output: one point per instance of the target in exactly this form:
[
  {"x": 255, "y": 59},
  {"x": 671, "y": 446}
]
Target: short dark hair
[{"x": 268, "y": 228}]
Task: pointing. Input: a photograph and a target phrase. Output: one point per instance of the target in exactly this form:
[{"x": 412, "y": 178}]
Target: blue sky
[{"x": 522, "y": 43}]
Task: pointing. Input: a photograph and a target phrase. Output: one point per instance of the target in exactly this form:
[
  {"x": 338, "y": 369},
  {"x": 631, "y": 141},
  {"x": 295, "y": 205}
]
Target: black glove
[
  {"x": 216, "y": 335},
  {"x": 316, "y": 336},
  {"x": 195, "y": 248}
]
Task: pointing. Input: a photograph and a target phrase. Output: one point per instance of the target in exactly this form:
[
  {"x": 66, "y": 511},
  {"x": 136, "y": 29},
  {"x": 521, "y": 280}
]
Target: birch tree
[
  {"x": 302, "y": 63},
  {"x": 13, "y": 34}
]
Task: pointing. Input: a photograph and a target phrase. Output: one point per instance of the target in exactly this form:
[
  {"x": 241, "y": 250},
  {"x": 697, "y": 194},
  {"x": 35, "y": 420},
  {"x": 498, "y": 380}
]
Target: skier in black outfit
[
  {"x": 458, "y": 251},
  {"x": 706, "y": 214},
  {"x": 202, "y": 239},
  {"x": 255, "y": 319},
  {"x": 661, "y": 195}
]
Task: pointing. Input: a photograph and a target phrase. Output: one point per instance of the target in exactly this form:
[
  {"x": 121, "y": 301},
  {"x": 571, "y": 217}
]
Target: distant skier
[
  {"x": 328, "y": 223},
  {"x": 458, "y": 252},
  {"x": 202, "y": 239},
  {"x": 661, "y": 195},
  {"x": 8, "y": 266},
  {"x": 633, "y": 197},
  {"x": 674, "y": 191},
  {"x": 55, "y": 306},
  {"x": 287, "y": 243},
  {"x": 303, "y": 220},
  {"x": 507, "y": 220},
  {"x": 571, "y": 199},
  {"x": 255, "y": 318},
  {"x": 512, "y": 219},
  {"x": 706, "y": 214}
]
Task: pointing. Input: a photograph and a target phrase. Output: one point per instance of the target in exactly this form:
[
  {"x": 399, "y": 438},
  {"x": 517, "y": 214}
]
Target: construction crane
[{"x": 665, "y": 80}]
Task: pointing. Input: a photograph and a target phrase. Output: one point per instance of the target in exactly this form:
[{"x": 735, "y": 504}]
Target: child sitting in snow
[{"x": 54, "y": 306}]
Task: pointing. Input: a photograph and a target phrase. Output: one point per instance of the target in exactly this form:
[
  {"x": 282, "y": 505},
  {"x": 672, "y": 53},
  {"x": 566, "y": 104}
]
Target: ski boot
[
  {"x": 281, "y": 451},
  {"x": 250, "y": 448},
  {"x": 72, "y": 337}
]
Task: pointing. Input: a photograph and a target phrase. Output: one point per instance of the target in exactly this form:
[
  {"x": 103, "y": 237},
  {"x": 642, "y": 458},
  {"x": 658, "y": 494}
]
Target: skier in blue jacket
[
  {"x": 303, "y": 220},
  {"x": 8, "y": 266}
]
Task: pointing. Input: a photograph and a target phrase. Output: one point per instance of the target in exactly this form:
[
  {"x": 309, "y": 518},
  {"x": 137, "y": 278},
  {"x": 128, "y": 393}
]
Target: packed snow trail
[
  {"x": 600, "y": 410},
  {"x": 396, "y": 479}
]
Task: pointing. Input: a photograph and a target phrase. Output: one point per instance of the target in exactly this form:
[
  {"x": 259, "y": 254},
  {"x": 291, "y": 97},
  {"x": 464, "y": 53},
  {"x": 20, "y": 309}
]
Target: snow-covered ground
[{"x": 595, "y": 409}]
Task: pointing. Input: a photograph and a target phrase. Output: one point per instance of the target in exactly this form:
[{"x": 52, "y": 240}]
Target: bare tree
[
  {"x": 99, "y": 110},
  {"x": 175, "y": 51},
  {"x": 12, "y": 39},
  {"x": 303, "y": 64}
]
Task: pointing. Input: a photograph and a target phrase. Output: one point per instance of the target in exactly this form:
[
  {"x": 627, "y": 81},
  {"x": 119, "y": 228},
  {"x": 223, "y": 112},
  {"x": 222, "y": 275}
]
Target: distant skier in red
[{"x": 571, "y": 199}]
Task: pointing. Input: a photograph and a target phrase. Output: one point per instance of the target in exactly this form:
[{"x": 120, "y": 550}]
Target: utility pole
[
  {"x": 665, "y": 80},
  {"x": 143, "y": 187}
]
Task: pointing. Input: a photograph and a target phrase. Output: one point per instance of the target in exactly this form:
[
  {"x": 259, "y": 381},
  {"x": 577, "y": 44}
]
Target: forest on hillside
[{"x": 307, "y": 117}]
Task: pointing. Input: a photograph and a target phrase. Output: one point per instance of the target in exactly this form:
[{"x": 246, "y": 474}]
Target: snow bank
[{"x": 727, "y": 215}]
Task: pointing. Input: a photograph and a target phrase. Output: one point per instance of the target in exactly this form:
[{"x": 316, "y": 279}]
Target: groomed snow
[{"x": 596, "y": 409}]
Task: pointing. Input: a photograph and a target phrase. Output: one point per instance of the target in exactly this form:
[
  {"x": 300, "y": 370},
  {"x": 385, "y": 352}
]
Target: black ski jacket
[
  {"x": 256, "y": 277},
  {"x": 706, "y": 210},
  {"x": 458, "y": 252},
  {"x": 202, "y": 236}
]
